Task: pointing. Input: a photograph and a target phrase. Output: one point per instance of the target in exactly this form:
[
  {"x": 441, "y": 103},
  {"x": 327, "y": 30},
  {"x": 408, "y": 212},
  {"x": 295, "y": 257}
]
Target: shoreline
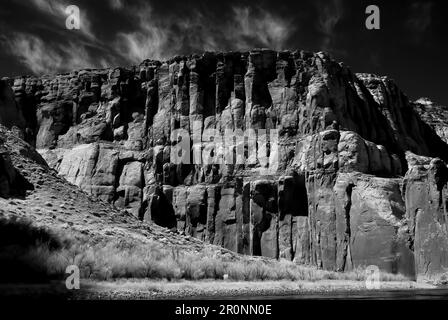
[
  {"x": 220, "y": 289},
  {"x": 146, "y": 289}
]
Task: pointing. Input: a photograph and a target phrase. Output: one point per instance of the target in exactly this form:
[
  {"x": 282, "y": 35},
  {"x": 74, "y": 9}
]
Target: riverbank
[{"x": 147, "y": 289}]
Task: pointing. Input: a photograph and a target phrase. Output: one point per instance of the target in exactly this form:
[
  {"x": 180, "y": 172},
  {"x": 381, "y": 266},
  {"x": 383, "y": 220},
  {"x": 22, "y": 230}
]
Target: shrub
[{"x": 29, "y": 253}]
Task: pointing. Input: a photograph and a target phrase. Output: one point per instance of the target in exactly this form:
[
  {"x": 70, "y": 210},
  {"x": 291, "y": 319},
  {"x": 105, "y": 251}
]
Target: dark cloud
[
  {"x": 34, "y": 39},
  {"x": 150, "y": 35},
  {"x": 160, "y": 37},
  {"x": 42, "y": 58}
]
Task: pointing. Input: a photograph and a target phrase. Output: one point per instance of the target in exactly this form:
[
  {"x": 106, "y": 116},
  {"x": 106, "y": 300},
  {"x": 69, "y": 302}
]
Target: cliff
[{"x": 343, "y": 170}]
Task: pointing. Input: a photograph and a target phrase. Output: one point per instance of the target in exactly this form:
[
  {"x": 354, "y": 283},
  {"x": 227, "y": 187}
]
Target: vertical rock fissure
[{"x": 347, "y": 233}]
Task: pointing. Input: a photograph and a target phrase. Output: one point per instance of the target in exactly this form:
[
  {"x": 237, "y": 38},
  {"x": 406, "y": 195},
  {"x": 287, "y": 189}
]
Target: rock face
[
  {"x": 12, "y": 183},
  {"x": 11, "y": 114},
  {"x": 320, "y": 169},
  {"x": 426, "y": 211},
  {"x": 434, "y": 115}
]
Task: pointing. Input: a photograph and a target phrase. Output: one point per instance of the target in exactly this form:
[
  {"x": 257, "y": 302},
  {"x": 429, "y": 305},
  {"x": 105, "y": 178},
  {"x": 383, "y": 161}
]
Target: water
[
  {"x": 417, "y": 294},
  {"x": 60, "y": 292}
]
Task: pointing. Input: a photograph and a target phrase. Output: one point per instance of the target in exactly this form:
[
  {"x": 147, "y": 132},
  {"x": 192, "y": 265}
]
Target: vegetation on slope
[{"x": 40, "y": 254}]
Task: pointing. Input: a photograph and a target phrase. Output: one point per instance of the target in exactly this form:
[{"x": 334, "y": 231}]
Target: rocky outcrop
[
  {"x": 46, "y": 210},
  {"x": 12, "y": 182},
  {"x": 436, "y": 116},
  {"x": 425, "y": 187},
  {"x": 408, "y": 129},
  {"x": 318, "y": 171},
  {"x": 7, "y": 173},
  {"x": 11, "y": 114}
]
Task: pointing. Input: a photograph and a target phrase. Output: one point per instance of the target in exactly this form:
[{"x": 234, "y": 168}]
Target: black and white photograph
[{"x": 221, "y": 159}]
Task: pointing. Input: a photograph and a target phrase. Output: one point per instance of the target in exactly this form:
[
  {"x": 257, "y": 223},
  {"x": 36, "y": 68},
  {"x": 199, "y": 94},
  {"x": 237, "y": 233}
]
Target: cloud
[
  {"x": 147, "y": 34},
  {"x": 43, "y": 58},
  {"x": 259, "y": 26},
  {"x": 149, "y": 40},
  {"x": 330, "y": 13},
  {"x": 419, "y": 19},
  {"x": 160, "y": 37},
  {"x": 52, "y": 7},
  {"x": 116, "y": 4},
  {"x": 58, "y": 49},
  {"x": 56, "y": 10}
]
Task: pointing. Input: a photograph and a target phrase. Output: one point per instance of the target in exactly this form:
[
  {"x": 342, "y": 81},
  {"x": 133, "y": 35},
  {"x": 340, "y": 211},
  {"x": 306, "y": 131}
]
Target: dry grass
[{"x": 117, "y": 259}]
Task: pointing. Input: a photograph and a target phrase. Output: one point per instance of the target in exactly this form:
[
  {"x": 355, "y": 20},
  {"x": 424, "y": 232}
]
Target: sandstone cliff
[{"x": 360, "y": 177}]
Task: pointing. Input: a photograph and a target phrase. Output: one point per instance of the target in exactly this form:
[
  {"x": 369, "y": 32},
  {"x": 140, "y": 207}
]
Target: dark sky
[{"x": 411, "y": 46}]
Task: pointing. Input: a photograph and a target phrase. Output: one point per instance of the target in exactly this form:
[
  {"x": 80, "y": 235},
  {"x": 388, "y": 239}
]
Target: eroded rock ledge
[{"x": 361, "y": 177}]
